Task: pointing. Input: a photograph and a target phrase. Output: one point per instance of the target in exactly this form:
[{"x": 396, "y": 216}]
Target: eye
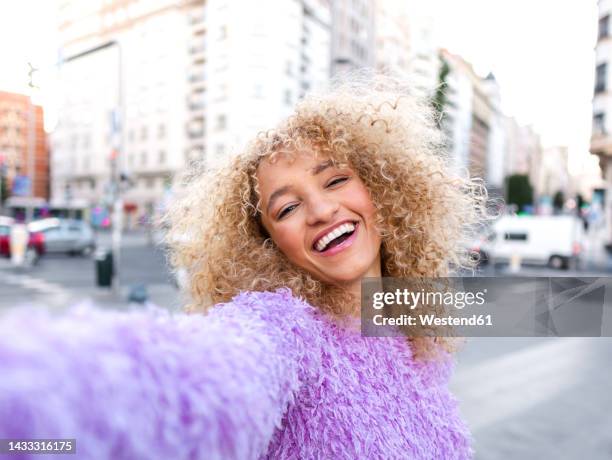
[
  {"x": 337, "y": 180},
  {"x": 286, "y": 211}
]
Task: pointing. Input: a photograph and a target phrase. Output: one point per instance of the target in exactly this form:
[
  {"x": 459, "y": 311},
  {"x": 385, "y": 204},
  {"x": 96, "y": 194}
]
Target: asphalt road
[{"x": 59, "y": 280}]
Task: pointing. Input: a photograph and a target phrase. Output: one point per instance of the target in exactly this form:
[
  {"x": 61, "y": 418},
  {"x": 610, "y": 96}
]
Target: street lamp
[
  {"x": 117, "y": 126},
  {"x": 31, "y": 142}
]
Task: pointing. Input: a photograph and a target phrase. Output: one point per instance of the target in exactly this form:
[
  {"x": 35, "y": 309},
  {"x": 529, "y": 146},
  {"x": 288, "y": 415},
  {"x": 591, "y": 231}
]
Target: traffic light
[{"x": 31, "y": 71}]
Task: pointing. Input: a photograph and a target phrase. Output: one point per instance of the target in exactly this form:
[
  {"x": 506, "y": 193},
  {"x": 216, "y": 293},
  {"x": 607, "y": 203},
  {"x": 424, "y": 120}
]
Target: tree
[
  {"x": 519, "y": 191},
  {"x": 4, "y": 189},
  {"x": 439, "y": 100}
]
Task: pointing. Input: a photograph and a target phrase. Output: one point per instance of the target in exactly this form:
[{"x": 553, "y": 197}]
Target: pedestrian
[
  {"x": 19, "y": 243},
  {"x": 354, "y": 184}
]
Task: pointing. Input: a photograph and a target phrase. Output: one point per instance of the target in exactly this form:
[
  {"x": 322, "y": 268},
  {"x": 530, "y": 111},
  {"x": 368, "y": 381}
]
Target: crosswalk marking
[{"x": 58, "y": 294}]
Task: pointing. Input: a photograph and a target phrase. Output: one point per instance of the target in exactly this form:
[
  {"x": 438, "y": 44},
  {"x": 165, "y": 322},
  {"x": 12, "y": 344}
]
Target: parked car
[
  {"x": 36, "y": 246},
  {"x": 66, "y": 236},
  {"x": 555, "y": 241}
]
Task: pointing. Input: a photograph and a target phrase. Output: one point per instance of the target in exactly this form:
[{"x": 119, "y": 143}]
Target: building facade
[
  {"x": 553, "y": 173},
  {"x": 406, "y": 44},
  {"x": 353, "y": 41},
  {"x": 125, "y": 109},
  {"x": 523, "y": 152},
  {"x": 149, "y": 87},
  {"x": 21, "y": 134},
  {"x": 473, "y": 121},
  {"x": 258, "y": 65},
  {"x": 601, "y": 137}
]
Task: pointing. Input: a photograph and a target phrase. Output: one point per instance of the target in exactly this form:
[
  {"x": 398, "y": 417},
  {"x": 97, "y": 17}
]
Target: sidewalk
[{"x": 129, "y": 238}]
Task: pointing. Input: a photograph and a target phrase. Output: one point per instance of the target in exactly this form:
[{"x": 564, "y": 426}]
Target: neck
[{"x": 355, "y": 290}]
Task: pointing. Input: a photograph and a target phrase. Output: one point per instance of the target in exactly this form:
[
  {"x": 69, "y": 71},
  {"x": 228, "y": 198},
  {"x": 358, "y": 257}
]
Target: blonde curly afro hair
[{"x": 389, "y": 138}]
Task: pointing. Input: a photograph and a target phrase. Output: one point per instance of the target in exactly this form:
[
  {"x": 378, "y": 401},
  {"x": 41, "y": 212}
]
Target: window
[
  {"x": 599, "y": 123},
  {"x": 603, "y": 26},
  {"x": 52, "y": 233},
  {"x": 143, "y": 158},
  {"x": 601, "y": 77},
  {"x": 222, "y": 32},
  {"x": 150, "y": 182},
  {"x": 515, "y": 236},
  {"x": 161, "y": 131},
  {"x": 162, "y": 157},
  {"x": 288, "y": 97},
  {"x": 221, "y": 122},
  {"x": 143, "y": 132}
]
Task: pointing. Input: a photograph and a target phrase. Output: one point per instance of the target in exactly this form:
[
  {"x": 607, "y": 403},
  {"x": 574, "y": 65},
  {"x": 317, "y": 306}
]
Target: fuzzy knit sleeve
[{"x": 147, "y": 384}]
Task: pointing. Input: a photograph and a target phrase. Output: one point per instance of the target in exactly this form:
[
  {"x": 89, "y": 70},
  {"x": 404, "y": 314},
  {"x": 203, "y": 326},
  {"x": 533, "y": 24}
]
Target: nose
[{"x": 321, "y": 209}]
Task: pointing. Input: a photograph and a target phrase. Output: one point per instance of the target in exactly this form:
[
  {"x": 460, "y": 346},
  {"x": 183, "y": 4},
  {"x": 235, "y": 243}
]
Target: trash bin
[{"x": 104, "y": 267}]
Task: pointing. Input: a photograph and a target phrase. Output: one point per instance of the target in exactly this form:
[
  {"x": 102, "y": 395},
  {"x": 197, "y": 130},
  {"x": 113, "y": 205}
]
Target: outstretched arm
[{"x": 147, "y": 384}]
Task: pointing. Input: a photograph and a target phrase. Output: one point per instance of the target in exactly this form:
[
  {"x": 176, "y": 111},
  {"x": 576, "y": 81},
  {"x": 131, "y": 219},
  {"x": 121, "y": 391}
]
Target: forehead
[
  {"x": 276, "y": 168},
  {"x": 285, "y": 159}
]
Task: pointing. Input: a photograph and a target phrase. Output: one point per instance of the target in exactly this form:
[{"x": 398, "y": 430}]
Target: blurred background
[{"x": 103, "y": 103}]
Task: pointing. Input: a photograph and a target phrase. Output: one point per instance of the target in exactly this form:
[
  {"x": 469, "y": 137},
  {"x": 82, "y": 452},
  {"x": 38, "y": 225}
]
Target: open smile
[{"x": 338, "y": 240}]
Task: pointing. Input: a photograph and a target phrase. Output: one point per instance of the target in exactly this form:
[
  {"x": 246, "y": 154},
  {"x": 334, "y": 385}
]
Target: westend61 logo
[
  {"x": 412, "y": 299},
  {"x": 487, "y": 307}
]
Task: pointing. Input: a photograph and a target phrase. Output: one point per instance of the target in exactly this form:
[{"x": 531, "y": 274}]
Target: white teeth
[{"x": 324, "y": 241}]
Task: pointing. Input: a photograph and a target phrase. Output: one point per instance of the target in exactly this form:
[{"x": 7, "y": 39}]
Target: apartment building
[
  {"x": 601, "y": 137},
  {"x": 21, "y": 133},
  {"x": 353, "y": 44},
  {"x": 149, "y": 87},
  {"x": 406, "y": 44}
]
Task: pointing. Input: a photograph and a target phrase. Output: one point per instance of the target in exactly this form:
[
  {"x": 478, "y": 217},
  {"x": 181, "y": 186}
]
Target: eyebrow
[
  {"x": 284, "y": 189},
  {"x": 321, "y": 167}
]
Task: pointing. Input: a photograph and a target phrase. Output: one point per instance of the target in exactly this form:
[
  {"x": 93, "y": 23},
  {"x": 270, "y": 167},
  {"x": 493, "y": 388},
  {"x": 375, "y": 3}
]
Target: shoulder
[
  {"x": 436, "y": 370},
  {"x": 265, "y": 304},
  {"x": 279, "y": 309}
]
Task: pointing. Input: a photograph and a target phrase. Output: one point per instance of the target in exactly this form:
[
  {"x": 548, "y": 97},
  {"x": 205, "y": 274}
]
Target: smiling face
[{"x": 321, "y": 217}]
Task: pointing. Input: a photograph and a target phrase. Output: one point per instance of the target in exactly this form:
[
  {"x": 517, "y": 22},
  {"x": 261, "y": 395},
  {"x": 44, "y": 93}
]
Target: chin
[{"x": 346, "y": 276}]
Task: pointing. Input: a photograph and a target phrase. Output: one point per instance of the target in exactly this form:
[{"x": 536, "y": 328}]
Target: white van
[{"x": 555, "y": 241}]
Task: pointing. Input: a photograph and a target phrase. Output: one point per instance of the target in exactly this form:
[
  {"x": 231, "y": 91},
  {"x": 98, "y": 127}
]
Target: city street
[
  {"x": 524, "y": 398},
  {"x": 58, "y": 280}
]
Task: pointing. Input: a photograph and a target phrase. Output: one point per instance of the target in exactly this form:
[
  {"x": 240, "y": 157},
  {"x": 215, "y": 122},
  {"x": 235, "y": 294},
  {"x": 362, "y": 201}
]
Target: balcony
[
  {"x": 197, "y": 76},
  {"x": 196, "y": 102},
  {"x": 195, "y": 128},
  {"x": 601, "y": 144},
  {"x": 197, "y": 47}
]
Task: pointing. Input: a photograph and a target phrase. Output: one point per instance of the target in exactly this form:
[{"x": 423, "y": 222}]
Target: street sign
[{"x": 21, "y": 186}]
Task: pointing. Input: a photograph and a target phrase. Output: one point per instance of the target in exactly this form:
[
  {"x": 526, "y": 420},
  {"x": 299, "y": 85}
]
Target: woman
[
  {"x": 275, "y": 247},
  {"x": 353, "y": 185}
]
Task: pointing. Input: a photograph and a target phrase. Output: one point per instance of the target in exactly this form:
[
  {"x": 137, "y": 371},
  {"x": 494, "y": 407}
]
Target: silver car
[{"x": 68, "y": 236}]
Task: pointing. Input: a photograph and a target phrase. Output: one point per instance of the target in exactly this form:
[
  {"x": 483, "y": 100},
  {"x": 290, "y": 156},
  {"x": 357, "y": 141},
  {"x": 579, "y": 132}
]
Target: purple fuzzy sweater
[{"x": 263, "y": 376}]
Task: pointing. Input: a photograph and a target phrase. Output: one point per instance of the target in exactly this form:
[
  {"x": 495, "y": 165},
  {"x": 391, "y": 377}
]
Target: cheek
[
  {"x": 290, "y": 240},
  {"x": 360, "y": 201}
]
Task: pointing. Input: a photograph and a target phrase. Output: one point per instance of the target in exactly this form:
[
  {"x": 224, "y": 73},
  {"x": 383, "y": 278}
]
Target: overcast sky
[{"x": 541, "y": 52}]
